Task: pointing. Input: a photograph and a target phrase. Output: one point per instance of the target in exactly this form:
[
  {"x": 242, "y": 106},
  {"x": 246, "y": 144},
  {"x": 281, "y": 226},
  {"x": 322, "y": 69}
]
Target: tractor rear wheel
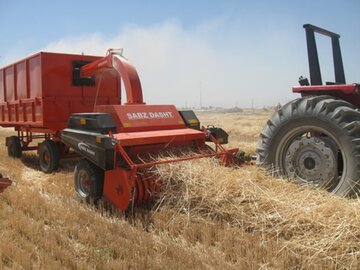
[
  {"x": 14, "y": 147},
  {"x": 89, "y": 181},
  {"x": 315, "y": 140},
  {"x": 49, "y": 156}
]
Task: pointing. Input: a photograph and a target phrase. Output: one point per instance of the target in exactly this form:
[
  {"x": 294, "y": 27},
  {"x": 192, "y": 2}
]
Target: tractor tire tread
[{"x": 326, "y": 108}]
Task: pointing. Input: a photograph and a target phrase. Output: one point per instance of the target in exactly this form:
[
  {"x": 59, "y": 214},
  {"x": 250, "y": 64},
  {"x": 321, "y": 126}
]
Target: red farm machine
[
  {"x": 316, "y": 138},
  {"x": 73, "y": 104}
]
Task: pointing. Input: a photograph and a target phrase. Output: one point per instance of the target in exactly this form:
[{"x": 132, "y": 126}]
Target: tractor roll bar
[{"x": 314, "y": 66}]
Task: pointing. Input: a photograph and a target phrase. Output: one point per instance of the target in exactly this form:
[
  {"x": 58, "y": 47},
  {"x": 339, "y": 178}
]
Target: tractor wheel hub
[{"x": 311, "y": 160}]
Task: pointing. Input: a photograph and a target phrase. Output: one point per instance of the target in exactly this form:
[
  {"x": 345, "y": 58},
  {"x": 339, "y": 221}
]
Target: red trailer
[{"x": 39, "y": 93}]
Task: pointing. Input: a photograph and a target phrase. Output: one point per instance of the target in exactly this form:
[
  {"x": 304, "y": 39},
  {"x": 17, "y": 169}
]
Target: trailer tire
[
  {"x": 14, "y": 147},
  {"x": 49, "y": 156},
  {"x": 89, "y": 181},
  {"x": 314, "y": 139}
]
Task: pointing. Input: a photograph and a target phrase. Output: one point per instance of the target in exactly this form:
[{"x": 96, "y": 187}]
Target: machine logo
[
  {"x": 86, "y": 148},
  {"x": 149, "y": 115}
]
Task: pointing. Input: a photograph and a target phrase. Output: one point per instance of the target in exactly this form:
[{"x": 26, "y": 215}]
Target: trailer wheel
[
  {"x": 89, "y": 181},
  {"x": 314, "y": 140},
  {"x": 14, "y": 147},
  {"x": 49, "y": 156}
]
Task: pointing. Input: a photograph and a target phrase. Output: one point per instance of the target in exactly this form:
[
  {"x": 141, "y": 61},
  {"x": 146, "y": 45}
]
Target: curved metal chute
[{"x": 114, "y": 61}]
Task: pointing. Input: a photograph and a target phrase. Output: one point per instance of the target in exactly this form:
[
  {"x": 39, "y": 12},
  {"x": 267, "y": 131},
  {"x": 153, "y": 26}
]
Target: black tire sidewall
[
  {"x": 95, "y": 175},
  {"x": 14, "y": 147},
  {"x": 50, "y": 149},
  {"x": 283, "y": 125}
]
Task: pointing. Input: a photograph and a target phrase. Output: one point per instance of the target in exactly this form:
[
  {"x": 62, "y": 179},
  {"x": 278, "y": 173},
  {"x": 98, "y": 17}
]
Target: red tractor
[{"x": 316, "y": 138}]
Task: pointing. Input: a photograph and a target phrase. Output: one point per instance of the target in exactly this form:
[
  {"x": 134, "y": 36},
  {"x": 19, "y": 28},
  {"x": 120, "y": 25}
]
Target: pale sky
[{"x": 234, "y": 52}]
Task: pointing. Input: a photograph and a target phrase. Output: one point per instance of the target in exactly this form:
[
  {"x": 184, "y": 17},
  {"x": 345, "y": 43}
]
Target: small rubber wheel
[
  {"x": 49, "y": 156},
  {"x": 14, "y": 147},
  {"x": 89, "y": 181}
]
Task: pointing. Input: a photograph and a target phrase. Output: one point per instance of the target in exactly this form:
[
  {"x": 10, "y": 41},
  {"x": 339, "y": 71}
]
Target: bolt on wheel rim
[{"x": 311, "y": 160}]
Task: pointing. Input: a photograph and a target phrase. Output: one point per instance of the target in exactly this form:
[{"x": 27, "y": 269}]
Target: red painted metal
[
  {"x": 143, "y": 132},
  {"x": 4, "y": 183},
  {"x": 170, "y": 137},
  {"x": 37, "y": 95},
  {"x": 114, "y": 62},
  {"x": 121, "y": 184},
  {"x": 146, "y": 186},
  {"x": 37, "y": 92},
  {"x": 143, "y": 117},
  {"x": 344, "y": 88},
  {"x": 117, "y": 187},
  {"x": 348, "y": 92}
]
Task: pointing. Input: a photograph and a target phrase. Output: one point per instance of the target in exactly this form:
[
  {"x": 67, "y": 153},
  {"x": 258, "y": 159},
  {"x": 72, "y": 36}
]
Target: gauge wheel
[
  {"x": 49, "y": 156},
  {"x": 314, "y": 140},
  {"x": 14, "y": 147},
  {"x": 89, "y": 181}
]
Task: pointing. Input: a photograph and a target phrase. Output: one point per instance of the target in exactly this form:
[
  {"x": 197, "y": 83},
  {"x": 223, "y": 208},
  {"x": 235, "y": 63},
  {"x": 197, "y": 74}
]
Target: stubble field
[{"x": 208, "y": 217}]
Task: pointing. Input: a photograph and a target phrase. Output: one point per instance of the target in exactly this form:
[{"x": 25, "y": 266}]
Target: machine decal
[
  {"x": 86, "y": 148},
  {"x": 149, "y": 115}
]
